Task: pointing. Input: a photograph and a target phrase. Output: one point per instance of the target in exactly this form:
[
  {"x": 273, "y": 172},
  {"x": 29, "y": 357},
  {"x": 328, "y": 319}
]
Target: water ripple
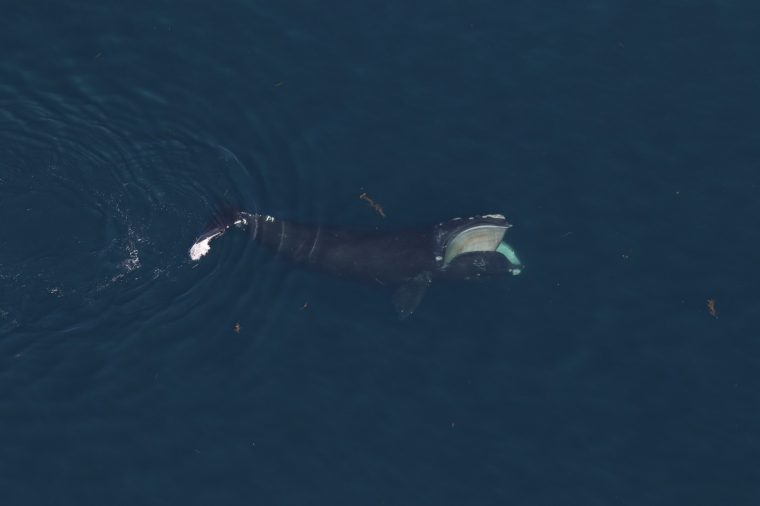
[
  {"x": 100, "y": 217},
  {"x": 109, "y": 169}
]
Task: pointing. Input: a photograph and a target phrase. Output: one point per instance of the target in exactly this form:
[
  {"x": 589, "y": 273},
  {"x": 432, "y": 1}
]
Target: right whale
[{"x": 408, "y": 260}]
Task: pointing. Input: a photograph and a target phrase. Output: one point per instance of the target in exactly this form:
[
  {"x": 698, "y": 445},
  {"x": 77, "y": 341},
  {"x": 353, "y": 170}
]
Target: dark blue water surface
[{"x": 620, "y": 138}]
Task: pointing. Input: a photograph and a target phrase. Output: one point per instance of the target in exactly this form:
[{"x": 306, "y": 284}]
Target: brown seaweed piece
[
  {"x": 374, "y": 205},
  {"x": 711, "y": 308}
]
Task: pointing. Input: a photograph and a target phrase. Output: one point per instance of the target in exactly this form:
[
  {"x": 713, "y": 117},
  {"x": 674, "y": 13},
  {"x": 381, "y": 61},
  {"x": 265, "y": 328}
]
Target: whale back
[{"x": 385, "y": 257}]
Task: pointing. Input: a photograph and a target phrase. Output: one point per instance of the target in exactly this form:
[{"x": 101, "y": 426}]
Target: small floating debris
[
  {"x": 711, "y": 308},
  {"x": 374, "y": 205},
  {"x": 278, "y": 84},
  {"x": 305, "y": 306},
  {"x": 236, "y": 328}
]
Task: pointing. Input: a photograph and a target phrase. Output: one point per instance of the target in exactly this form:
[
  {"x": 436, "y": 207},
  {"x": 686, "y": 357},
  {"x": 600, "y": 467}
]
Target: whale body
[{"x": 408, "y": 260}]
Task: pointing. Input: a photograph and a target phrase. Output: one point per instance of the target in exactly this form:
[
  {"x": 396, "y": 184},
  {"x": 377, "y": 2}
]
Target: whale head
[{"x": 474, "y": 247}]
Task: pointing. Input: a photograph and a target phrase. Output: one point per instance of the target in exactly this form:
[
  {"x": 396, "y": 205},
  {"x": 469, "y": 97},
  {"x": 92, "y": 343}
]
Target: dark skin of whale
[
  {"x": 407, "y": 260},
  {"x": 387, "y": 258}
]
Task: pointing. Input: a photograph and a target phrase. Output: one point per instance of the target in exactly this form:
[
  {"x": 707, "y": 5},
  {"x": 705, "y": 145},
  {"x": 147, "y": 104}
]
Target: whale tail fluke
[{"x": 221, "y": 222}]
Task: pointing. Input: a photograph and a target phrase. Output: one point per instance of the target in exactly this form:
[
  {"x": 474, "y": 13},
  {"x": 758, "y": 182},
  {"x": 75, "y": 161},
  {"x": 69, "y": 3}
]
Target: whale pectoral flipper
[{"x": 409, "y": 295}]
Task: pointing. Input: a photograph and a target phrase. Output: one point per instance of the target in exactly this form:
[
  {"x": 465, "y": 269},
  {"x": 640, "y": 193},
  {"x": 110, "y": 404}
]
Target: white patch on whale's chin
[{"x": 203, "y": 246}]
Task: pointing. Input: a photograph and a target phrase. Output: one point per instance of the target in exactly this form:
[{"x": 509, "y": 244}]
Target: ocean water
[{"x": 620, "y": 138}]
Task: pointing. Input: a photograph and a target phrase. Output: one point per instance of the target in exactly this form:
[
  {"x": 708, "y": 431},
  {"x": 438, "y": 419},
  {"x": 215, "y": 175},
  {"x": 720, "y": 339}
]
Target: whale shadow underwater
[{"x": 406, "y": 260}]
